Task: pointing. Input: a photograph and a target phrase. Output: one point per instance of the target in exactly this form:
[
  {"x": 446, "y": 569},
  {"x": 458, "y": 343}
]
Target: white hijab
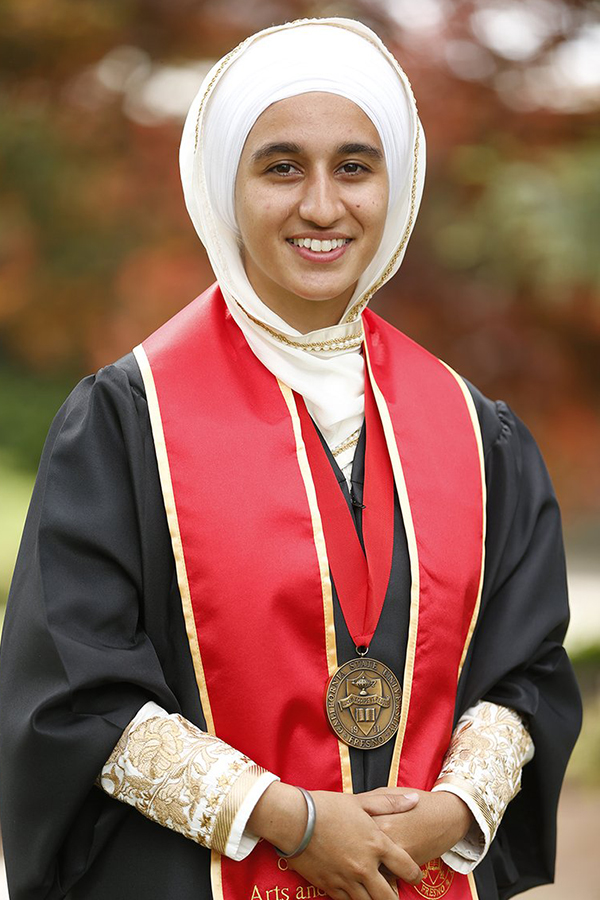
[{"x": 339, "y": 56}]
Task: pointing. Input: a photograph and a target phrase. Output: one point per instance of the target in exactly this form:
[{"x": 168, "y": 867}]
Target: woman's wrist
[
  {"x": 280, "y": 816},
  {"x": 458, "y": 815}
]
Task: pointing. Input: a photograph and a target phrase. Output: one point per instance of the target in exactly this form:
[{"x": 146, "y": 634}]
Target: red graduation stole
[{"x": 253, "y": 570}]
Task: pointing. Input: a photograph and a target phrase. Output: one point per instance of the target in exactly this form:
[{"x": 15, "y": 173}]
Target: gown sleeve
[
  {"x": 76, "y": 661},
  {"x": 516, "y": 658}
]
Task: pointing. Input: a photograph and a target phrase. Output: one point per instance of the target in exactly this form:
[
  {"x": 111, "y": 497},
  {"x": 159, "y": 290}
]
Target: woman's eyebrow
[
  {"x": 360, "y": 149},
  {"x": 285, "y": 147},
  {"x": 272, "y": 149}
]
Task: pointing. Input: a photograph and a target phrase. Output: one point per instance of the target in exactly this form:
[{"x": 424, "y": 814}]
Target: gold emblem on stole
[
  {"x": 437, "y": 879},
  {"x": 363, "y": 703}
]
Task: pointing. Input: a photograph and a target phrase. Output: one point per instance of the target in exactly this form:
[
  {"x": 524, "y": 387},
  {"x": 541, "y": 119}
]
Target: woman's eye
[
  {"x": 283, "y": 169},
  {"x": 352, "y": 168}
]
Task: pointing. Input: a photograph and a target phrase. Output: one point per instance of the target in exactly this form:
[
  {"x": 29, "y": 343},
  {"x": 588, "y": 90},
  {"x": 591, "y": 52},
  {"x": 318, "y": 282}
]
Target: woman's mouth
[{"x": 315, "y": 250}]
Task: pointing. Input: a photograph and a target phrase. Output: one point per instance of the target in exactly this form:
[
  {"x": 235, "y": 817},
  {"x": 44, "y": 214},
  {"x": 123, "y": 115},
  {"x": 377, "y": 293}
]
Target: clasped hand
[
  {"x": 362, "y": 842},
  {"x": 350, "y": 857}
]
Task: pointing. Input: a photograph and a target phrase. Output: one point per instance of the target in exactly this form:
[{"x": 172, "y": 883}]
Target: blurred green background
[{"x": 501, "y": 279}]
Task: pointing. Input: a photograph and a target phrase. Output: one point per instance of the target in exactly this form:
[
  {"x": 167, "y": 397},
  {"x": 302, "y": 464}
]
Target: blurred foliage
[
  {"x": 28, "y": 403},
  {"x": 538, "y": 213},
  {"x": 586, "y": 663},
  {"x": 502, "y": 275},
  {"x": 16, "y": 491},
  {"x": 583, "y": 765}
]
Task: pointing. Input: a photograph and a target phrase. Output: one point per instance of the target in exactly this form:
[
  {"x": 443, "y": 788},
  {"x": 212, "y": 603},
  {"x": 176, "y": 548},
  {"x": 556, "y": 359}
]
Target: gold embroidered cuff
[
  {"x": 489, "y": 748},
  {"x": 179, "y": 776},
  {"x": 230, "y": 806}
]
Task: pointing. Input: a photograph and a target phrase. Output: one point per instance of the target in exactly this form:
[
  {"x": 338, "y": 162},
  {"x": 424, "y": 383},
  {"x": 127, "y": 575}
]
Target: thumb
[{"x": 383, "y": 802}]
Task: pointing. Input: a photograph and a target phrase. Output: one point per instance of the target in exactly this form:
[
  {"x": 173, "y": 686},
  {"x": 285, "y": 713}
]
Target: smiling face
[{"x": 311, "y": 200}]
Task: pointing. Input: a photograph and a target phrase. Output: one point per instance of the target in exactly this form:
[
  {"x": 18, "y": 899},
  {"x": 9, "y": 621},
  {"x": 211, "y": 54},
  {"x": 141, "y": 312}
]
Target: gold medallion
[{"x": 363, "y": 703}]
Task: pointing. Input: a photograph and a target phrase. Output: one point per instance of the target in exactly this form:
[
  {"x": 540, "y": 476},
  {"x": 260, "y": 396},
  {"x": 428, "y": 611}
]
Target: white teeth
[{"x": 319, "y": 246}]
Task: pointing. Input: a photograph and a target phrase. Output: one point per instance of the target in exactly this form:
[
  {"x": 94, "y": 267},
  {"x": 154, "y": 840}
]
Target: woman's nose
[{"x": 321, "y": 202}]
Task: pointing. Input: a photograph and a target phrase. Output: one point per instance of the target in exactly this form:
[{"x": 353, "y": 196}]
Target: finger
[
  {"x": 338, "y": 894},
  {"x": 385, "y": 802},
  {"x": 403, "y": 866},
  {"x": 359, "y": 892},
  {"x": 386, "y": 789},
  {"x": 379, "y": 888}
]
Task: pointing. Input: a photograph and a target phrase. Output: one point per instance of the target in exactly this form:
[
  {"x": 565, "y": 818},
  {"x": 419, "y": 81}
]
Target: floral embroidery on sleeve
[
  {"x": 483, "y": 765},
  {"x": 489, "y": 748},
  {"x": 179, "y": 776}
]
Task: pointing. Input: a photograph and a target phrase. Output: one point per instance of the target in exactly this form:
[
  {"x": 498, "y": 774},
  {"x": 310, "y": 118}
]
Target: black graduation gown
[{"x": 94, "y": 629}]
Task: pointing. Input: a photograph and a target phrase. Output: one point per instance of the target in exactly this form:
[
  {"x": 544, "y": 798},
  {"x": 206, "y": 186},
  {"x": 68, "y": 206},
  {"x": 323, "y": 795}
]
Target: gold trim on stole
[
  {"x": 473, "y": 886},
  {"x": 479, "y": 439},
  {"x": 413, "y": 553},
  {"x": 216, "y": 876},
  {"x": 319, "y": 539},
  {"x": 166, "y": 483}
]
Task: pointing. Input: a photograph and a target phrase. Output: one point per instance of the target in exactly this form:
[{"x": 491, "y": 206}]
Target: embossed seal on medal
[
  {"x": 363, "y": 703},
  {"x": 437, "y": 880}
]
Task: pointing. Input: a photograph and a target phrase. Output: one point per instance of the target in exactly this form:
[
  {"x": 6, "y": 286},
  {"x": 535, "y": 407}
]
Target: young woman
[{"x": 286, "y": 575}]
